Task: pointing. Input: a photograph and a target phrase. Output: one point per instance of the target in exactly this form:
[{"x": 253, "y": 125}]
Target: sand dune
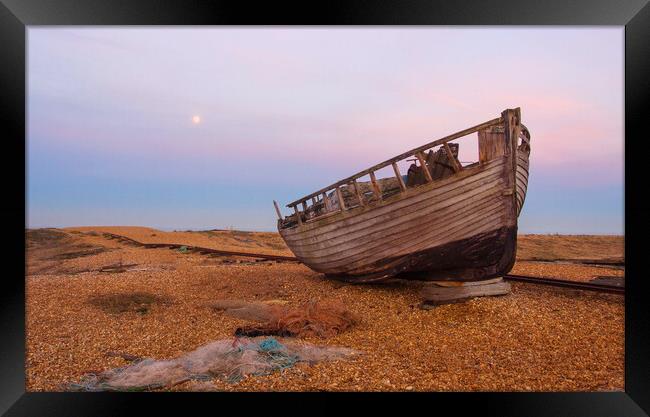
[{"x": 529, "y": 246}]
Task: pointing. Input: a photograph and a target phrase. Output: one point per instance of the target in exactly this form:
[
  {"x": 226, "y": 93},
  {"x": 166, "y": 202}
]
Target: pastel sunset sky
[{"x": 198, "y": 128}]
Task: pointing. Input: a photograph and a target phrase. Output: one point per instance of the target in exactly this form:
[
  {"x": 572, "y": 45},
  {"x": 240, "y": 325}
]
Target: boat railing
[{"x": 321, "y": 196}]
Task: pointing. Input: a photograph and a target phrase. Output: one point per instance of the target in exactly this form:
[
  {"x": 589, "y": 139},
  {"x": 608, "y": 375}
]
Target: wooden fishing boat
[{"x": 442, "y": 221}]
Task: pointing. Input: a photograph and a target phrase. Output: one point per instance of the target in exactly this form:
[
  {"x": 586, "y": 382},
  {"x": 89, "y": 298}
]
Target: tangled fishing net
[
  {"x": 314, "y": 318},
  {"x": 229, "y": 360}
]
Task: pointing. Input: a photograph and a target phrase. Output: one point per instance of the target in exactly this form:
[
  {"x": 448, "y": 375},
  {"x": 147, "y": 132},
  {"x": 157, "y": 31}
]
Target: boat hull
[
  {"x": 482, "y": 256},
  {"x": 460, "y": 227}
]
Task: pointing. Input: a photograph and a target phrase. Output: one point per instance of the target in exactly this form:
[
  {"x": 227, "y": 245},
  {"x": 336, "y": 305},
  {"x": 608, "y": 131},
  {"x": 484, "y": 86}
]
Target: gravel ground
[
  {"x": 564, "y": 271},
  {"x": 537, "y": 338}
]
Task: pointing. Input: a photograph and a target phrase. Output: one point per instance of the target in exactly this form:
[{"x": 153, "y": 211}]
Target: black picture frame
[{"x": 17, "y": 15}]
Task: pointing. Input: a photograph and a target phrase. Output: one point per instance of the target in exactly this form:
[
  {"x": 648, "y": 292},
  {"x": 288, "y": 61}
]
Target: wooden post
[
  {"x": 478, "y": 144},
  {"x": 339, "y": 195},
  {"x": 400, "y": 180},
  {"x": 507, "y": 121},
  {"x": 326, "y": 201},
  {"x": 277, "y": 209},
  {"x": 304, "y": 206},
  {"x": 313, "y": 201},
  {"x": 358, "y": 193},
  {"x": 511, "y": 146},
  {"x": 295, "y": 209},
  {"x": 423, "y": 164},
  {"x": 450, "y": 155},
  {"x": 517, "y": 127},
  {"x": 375, "y": 186},
  {"x": 516, "y": 130}
]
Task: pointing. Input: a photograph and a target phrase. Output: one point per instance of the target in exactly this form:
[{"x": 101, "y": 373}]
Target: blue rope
[{"x": 270, "y": 344}]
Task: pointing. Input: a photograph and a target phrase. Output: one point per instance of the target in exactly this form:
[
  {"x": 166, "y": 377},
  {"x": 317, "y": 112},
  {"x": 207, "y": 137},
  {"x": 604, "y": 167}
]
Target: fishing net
[
  {"x": 228, "y": 360},
  {"x": 314, "y": 318}
]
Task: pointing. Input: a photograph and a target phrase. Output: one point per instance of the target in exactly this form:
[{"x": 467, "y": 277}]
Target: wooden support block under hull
[
  {"x": 465, "y": 283},
  {"x": 435, "y": 295}
]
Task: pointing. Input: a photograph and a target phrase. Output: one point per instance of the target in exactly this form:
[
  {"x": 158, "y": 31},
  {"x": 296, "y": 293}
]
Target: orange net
[{"x": 313, "y": 318}]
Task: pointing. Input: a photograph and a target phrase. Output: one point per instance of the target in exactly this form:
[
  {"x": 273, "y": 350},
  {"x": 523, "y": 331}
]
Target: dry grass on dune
[
  {"x": 269, "y": 243},
  {"x": 159, "y": 305},
  {"x": 529, "y": 247}
]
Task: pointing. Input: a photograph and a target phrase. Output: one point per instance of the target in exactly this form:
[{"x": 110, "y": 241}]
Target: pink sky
[{"x": 285, "y": 111}]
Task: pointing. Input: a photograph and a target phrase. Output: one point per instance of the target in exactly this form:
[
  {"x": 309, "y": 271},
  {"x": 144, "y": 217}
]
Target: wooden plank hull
[
  {"x": 521, "y": 179},
  {"x": 451, "y": 226},
  {"x": 462, "y": 226}
]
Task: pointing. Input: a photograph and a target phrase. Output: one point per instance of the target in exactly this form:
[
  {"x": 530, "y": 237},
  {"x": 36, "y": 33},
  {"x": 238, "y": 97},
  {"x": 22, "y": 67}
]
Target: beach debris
[
  {"x": 229, "y": 360},
  {"x": 313, "y": 318}
]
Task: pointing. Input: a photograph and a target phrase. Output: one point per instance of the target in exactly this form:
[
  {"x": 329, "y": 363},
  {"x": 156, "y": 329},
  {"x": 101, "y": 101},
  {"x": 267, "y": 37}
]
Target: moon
[{"x": 196, "y": 119}]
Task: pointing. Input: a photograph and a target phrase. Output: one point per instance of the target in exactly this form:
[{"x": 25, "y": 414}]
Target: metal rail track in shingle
[
  {"x": 576, "y": 285},
  {"x": 201, "y": 250},
  {"x": 555, "y": 282}
]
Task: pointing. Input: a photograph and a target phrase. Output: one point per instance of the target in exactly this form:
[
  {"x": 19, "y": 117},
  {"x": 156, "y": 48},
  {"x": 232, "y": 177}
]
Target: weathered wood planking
[
  {"x": 466, "y": 283},
  {"x": 391, "y": 213},
  {"x": 420, "y": 222},
  {"x": 358, "y": 263},
  {"x": 469, "y": 211},
  {"x": 375, "y": 186},
  {"x": 399, "y": 224},
  {"x": 452, "y": 158},
  {"x": 438, "y": 295},
  {"x": 437, "y": 188},
  {"x": 521, "y": 173},
  {"x": 399, "y": 230},
  {"x": 398, "y": 175},
  {"x": 371, "y": 247},
  {"x": 491, "y": 144}
]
